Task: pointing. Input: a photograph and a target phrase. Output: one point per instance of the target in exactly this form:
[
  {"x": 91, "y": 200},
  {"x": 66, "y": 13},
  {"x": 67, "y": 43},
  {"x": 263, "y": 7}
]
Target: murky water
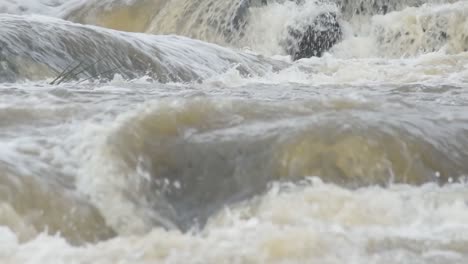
[{"x": 212, "y": 146}]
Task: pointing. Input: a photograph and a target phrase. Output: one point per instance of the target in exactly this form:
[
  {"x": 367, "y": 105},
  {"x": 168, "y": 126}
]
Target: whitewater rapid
[{"x": 189, "y": 135}]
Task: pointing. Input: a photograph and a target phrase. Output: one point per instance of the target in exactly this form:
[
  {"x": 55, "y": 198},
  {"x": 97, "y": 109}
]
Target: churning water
[{"x": 188, "y": 135}]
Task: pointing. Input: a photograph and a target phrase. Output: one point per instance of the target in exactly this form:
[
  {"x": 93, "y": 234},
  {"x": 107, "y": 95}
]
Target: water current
[{"x": 182, "y": 131}]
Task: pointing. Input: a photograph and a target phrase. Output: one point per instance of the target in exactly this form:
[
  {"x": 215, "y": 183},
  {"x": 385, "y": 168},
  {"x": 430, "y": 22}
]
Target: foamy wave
[{"x": 326, "y": 224}]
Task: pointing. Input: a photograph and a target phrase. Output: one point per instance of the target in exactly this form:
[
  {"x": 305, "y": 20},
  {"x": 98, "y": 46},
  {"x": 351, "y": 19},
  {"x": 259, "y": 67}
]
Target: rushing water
[{"x": 211, "y": 146}]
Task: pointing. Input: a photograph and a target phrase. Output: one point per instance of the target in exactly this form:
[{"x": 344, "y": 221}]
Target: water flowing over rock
[
  {"x": 38, "y": 47},
  {"x": 244, "y": 131}
]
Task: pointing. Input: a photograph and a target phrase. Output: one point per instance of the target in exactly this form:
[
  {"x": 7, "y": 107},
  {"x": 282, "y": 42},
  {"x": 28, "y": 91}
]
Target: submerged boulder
[
  {"x": 315, "y": 38},
  {"x": 88, "y": 52}
]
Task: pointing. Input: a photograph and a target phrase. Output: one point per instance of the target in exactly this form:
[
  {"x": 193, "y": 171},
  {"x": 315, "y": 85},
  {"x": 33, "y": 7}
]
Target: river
[{"x": 188, "y": 135}]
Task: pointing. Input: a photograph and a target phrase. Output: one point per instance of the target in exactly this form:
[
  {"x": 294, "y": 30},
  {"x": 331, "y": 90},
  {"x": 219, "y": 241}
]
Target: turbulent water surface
[{"x": 188, "y": 135}]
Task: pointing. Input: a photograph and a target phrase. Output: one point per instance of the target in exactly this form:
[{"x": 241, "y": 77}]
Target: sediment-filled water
[{"x": 188, "y": 135}]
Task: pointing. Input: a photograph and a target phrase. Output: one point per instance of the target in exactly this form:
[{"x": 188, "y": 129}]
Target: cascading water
[{"x": 244, "y": 131}]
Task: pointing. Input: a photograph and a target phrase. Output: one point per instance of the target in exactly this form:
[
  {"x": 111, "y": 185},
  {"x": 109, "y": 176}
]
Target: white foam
[
  {"x": 430, "y": 69},
  {"x": 315, "y": 222}
]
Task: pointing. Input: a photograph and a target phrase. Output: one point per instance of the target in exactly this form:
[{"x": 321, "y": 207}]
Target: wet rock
[
  {"x": 315, "y": 38},
  {"x": 304, "y": 41}
]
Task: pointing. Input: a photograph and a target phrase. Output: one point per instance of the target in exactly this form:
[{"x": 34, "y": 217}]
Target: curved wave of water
[{"x": 187, "y": 159}]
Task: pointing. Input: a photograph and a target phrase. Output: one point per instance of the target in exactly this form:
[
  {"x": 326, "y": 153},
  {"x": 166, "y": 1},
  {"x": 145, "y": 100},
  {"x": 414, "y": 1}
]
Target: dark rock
[
  {"x": 314, "y": 39},
  {"x": 311, "y": 39}
]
